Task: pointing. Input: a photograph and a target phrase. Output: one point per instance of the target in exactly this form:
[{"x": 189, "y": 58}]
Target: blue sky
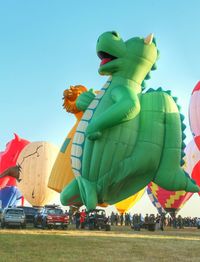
[{"x": 46, "y": 46}]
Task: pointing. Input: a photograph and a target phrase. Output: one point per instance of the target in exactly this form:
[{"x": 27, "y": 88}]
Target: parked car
[
  {"x": 51, "y": 216},
  {"x": 96, "y": 219},
  {"x": 30, "y": 213},
  {"x": 13, "y": 217}
]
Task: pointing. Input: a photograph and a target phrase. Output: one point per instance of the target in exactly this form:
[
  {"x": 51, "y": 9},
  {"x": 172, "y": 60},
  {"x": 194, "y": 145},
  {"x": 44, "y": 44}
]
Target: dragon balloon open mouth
[{"x": 105, "y": 57}]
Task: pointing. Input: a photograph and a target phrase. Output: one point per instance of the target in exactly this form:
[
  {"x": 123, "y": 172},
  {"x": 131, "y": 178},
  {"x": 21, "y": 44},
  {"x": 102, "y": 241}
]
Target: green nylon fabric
[{"x": 140, "y": 134}]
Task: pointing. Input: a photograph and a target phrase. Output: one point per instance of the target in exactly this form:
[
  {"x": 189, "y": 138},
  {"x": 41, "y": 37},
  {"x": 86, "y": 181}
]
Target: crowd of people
[{"x": 137, "y": 221}]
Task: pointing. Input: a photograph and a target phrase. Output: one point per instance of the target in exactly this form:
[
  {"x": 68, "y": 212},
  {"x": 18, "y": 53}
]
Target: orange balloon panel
[
  {"x": 124, "y": 205},
  {"x": 36, "y": 160}
]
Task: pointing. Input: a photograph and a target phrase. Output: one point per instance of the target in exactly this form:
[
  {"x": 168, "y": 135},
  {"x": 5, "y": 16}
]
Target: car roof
[
  {"x": 52, "y": 206},
  {"x": 13, "y": 208},
  {"x": 26, "y": 207}
]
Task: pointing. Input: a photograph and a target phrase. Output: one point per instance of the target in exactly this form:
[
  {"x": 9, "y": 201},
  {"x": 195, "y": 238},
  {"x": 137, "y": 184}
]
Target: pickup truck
[{"x": 51, "y": 216}]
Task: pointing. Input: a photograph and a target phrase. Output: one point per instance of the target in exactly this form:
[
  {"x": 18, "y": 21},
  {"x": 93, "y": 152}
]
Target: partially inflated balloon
[
  {"x": 61, "y": 174},
  {"x": 36, "y": 161},
  {"x": 10, "y": 196},
  {"x": 171, "y": 201},
  {"x": 194, "y": 113},
  {"x": 124, "y": 205},
  {"x": 155, "y": 202},
  {"x": 8, "y": 158}
]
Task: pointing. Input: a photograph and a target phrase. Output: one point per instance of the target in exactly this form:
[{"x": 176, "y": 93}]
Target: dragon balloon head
[{"x": 132, "y": 59}]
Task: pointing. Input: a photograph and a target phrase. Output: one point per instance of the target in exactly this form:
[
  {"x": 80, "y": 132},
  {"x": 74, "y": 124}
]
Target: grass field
[{"x": 120, "y": 244}]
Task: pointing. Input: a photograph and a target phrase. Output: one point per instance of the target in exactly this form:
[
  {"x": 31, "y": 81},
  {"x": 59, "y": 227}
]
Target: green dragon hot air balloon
[{"x": 126, "y": 138}]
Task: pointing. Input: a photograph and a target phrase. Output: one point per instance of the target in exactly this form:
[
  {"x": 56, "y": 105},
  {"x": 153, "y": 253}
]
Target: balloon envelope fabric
[
  {"x": 192, "y": 161},
  {"x": 124, "y": 205},
  {"x": 155, "y": 202},
  {"x": 194, "y": 113},
  {"x": 8, "y": 158},
  {"x": 126, "y": 138},
  {"x": 10, "y": 196},
  {"x": 171, "y": 201},
  {"x": 36, "y": 161}
]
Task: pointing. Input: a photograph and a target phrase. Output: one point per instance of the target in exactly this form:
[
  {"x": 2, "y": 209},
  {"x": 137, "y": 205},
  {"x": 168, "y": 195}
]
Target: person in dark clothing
[
  {"x": 77, "y": 219},
  {"x": 121, "y": 219}
]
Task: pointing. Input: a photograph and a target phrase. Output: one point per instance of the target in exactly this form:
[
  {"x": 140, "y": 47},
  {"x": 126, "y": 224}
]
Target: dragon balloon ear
[
  {"x": 149, "y": 39},
  {"x": 16, "y": 137}
]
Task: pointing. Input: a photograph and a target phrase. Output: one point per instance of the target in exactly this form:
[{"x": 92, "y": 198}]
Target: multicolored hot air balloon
[
  {"x": 155, "y": 202},
  {"x": 173, "y": 201},
  {"x": 36, "y": 161},
  {"x": 194, "y": 114}
]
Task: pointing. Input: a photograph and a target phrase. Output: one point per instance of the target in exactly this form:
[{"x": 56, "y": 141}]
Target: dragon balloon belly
[{"x": 91, "y": 159}]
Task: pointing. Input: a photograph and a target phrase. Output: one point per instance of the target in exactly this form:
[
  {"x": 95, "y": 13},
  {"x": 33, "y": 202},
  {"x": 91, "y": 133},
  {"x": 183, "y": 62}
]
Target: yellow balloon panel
[
  {"x": 126, "y": 204},
  {"x": 62, "y": 174},
  {"x": 36, "y": 160}
]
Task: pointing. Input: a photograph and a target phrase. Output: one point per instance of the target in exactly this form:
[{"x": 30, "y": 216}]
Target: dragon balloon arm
[
  {"x": 126, "y": 106},
  {"x": 84, "y": 99}
]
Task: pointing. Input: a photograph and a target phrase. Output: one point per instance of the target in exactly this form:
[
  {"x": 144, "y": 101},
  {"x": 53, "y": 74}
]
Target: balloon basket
[{"x": 152, "y": 226}]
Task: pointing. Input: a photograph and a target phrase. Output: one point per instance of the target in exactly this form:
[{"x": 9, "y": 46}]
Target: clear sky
[{"x": 46, "y": 46}]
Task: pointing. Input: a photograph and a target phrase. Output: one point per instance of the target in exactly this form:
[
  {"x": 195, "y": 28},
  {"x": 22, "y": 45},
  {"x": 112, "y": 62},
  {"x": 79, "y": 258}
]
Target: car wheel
[
  {"x": 44, "y": 224},
  {"x": 91, "y": 226},
  {"x": 23, "y": 226},
  {"x": 108, "y": 227},
  {"x": 49, "y": 226},
  {"x": 2, "y": 225}
]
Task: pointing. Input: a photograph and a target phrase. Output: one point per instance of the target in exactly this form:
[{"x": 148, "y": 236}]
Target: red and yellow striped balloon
[{"x": 171, "y": 201}]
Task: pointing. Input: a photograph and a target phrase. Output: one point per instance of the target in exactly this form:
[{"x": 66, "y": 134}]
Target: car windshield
[
  {"x": 14, "y": 212},
  {"x": 101, "y": 212},
  {"x": 30, "y": 211},
  {"x": 55, "y": 212}
]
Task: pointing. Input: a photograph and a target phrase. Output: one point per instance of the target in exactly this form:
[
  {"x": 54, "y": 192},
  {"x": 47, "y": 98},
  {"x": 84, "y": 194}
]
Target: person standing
[
  {"x": 122, "y": 219},
  {"x": 82, "y": 218},
  {"x": 77, "y": 219}
]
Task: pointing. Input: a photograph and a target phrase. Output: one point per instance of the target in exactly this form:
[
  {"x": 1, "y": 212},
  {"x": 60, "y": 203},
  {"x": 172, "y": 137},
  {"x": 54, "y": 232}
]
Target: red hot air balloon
[{"x": 8, "y": 158}]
